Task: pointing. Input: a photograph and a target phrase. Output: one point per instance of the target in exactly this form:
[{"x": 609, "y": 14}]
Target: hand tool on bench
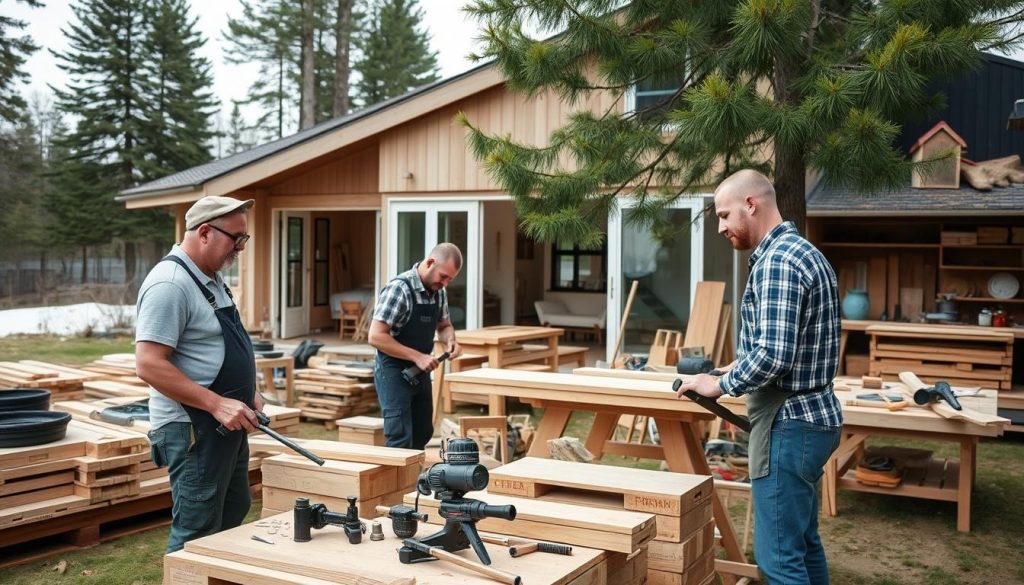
[
  {"x": 695, "y": 365},
  {"x": 518, "y": 547},
  {"x": 443, "y": 555},
  {"x": 264, "y": 425}
]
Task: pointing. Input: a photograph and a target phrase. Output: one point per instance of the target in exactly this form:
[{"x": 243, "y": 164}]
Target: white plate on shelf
[{"x": 1003, "y": 285}]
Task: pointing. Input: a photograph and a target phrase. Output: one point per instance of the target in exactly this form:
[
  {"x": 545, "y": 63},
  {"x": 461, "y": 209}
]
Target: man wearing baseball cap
[{"x": 193, "y": 351}]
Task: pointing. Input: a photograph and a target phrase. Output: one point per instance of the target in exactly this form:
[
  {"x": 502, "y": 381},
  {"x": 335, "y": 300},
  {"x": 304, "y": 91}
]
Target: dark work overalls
[
  {"x": 209, "y": 472},
  {"x": 408, "y": 410}
]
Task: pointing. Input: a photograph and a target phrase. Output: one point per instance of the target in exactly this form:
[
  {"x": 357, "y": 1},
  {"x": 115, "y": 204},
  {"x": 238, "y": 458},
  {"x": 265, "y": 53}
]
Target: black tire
[
  {"x": 24, "y": 428},
  {"x": 24, "y": 399}
]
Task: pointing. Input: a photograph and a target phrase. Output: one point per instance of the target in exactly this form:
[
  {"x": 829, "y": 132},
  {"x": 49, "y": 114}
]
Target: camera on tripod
[{"x": 459, "y": 472}]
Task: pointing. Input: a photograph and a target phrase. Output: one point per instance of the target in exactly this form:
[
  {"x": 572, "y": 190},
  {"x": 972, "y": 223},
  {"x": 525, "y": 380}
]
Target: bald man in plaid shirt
[{"x": 410, "y": 310}]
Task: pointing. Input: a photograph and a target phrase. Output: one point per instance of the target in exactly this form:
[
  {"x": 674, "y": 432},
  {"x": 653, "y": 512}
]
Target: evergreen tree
[
  {"x": 396, "y": 55},
  {"x": 822, "y": 86},
  {"x": 240, "y": 137},
  {"x": 179, "y": 96},
  {"x": 268, "y": 33},
  {"x": 13, "y": 52},
  {"x": 21, "y": 223}
]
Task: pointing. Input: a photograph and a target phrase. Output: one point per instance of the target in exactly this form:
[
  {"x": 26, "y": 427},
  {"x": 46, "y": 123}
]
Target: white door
[
  {"x": 415, "y": 227},
  {"x": 667, "y": 274},
  {"x": 294, "y": 273}
]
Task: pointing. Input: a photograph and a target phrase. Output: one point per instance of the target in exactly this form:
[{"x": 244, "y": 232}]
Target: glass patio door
[
  {"x": 414, "y": 228},
  {"x": 295, "y": 269},
  {"x": 667, "y": 274}
]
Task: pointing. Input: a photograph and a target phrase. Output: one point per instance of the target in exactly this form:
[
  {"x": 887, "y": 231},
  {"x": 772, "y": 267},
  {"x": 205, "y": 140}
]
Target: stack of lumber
[
  {"x": 91, "y": 466},
  {"x": 233, "y": 556},
  {"x": 682, "y": 551},
  {"x": 378, "y": 476},
  {"x": 364, "y": 430},
  {"x": 962, "y": 356},
  {"x": 331, "y": 391},
  {"x": 117, "y": 367},
  {"x": 64, "y": 383}
]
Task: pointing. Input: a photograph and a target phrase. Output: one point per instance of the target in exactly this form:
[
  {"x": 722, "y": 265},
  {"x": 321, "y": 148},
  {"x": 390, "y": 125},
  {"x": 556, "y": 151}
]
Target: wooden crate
[{"x": 364, "y": 430}]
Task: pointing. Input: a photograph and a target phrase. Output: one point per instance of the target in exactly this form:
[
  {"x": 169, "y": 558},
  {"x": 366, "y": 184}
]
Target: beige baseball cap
[{"x": 211, "y": 207}]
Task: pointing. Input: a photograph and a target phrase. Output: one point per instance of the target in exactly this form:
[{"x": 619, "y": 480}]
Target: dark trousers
[
  {"x": 408, "y": 410},
  {"x": 209, "y": 486}
]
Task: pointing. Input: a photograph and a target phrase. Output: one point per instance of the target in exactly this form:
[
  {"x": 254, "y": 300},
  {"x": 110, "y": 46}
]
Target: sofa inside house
[{"x": 556, "y": 314}]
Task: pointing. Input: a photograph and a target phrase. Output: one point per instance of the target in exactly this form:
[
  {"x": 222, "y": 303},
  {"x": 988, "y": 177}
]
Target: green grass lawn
[{"x": 875, "y": 540}]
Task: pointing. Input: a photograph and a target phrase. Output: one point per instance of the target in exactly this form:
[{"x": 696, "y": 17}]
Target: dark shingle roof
[
  {"x": 194, "y": 177},
  {"x": 909, "y": 201}
]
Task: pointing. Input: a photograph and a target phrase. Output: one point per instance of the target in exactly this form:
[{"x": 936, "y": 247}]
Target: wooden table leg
[
  {"x": 602, "y": 430},
  {"x": 683, "y": 453},
  {"x": 551, "y": 426},
  {"x": 268, "y": 383},
  {"x": 963, "y": 496},
  {"x": 289, "y": 384}
]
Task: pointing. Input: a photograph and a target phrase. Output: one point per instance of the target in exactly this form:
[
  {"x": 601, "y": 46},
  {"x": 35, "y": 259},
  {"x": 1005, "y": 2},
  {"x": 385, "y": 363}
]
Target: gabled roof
[
  {"x": 941, "y": 126},
  {"x": 825, "y": 201},
  {"x": 194, "y": 178}
]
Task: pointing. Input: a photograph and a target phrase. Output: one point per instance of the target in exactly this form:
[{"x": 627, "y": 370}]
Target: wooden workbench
[
  {"x": 608, "y": 398},
  {"x": 233, "y": 557},
  {"x": 267, "y": 365}
]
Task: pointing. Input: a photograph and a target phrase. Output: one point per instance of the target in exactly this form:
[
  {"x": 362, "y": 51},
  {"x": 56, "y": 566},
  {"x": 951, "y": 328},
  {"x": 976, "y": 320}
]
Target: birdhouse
[{"x": 942, "y": 174}]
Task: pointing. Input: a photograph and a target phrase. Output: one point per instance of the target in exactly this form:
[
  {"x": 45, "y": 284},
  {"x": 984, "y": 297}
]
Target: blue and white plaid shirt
[
  {"x": 394, "y": 303},
  {"x": 791, "y": 324}
]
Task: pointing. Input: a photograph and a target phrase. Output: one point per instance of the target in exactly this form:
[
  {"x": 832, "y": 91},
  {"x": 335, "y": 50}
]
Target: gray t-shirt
[{"x": 172, "y": 311}]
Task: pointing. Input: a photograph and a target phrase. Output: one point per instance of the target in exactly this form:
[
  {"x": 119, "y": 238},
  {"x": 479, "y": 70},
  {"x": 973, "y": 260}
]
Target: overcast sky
[{"x": 451, "y": 31}]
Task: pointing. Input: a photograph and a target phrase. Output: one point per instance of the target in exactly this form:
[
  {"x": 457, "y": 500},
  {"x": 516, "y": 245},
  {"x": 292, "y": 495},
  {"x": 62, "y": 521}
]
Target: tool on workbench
[
  {"x": 438, "y": 553},
  {"x": 941, "y": 390},
  {"x": 317, "y": 516},
  {"x": 459, "y": 472},
  {"x": 697, "y": 365},
  {"x": 891, "y": 401},
  {"x": 518, "y": 547},
  {"x": 376, "y": 531},
  {"x": 259, "y": 538},
  {"x": 404, "y": 519},
  {"x": 412, "y": 373},
  {"x": 264, "y": 425}
]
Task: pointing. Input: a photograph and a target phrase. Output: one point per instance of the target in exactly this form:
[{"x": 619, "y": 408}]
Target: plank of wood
[
  {"x": 705, "y": 313},
  {"x": 911, "y": 302},
  {"x": 876, "y": 286},
  {"x": 333, "y": 478},
  {"x": 892, "y": 285},
  {"x": 343, "y": 451},
  {"x": 642, "y": 490},
  {"x": 966, "y": 414}
]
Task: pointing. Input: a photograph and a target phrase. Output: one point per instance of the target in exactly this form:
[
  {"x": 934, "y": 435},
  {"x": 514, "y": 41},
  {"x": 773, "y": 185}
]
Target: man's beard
[{"x": 228, "y": 262}]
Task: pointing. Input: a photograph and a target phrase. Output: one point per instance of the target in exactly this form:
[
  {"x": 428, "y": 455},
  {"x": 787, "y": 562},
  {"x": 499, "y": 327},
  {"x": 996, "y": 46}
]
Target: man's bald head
[
  {"x": 746, "y": 208},
  {"x": 747, "y": 182}
]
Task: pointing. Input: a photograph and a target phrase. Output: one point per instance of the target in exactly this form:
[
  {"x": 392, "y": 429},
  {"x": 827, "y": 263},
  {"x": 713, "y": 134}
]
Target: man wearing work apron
[
  {"x": 788, "y": 356},
  {"x": 410, "y": 309},
  {"x": 192, "y": 350}
]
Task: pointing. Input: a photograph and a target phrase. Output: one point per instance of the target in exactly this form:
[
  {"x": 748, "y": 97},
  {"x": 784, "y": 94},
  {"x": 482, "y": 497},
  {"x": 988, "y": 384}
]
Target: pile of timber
[
  {"x": 682, "y": 550},
  {"x": 962, "y": 356},
  {"x": 117, "y": 367},
  {"x": 330, "y": 391},
  {"x": 64, "y": 383},
  {"x": 377, "y": 476}
]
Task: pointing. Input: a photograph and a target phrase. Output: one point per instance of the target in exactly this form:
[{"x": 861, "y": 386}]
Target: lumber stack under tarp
[
  {"x": 682, "y": 550},
  {"x": 331, "y": 391}
]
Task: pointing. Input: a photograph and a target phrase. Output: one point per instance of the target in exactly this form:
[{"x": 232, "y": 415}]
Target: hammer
[
  {"x": 412, "y": 373},
  {"x": 697, "y": 365}
]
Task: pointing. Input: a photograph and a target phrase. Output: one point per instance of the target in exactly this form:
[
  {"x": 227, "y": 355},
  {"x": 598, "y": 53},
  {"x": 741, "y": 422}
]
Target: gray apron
[{"x": 762, "y": 407}]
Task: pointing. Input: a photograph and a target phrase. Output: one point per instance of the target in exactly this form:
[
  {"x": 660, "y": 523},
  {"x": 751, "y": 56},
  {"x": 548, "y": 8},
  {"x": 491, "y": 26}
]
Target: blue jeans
[
  {"x": 786, "y": 542},
  {"x": 408, "y": 410},
  {"x": 209, "y": 486}
]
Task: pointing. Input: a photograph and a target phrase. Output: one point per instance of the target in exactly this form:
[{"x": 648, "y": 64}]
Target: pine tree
[
  {"x": 268, "y": 33},
  {"x": 13, "y": 52},
  {"x": 396, "y": 55},
  {"x": 240, "y": 137},
  {"x": 822, "y": 86},
  {"x": 179, "y": 96}
]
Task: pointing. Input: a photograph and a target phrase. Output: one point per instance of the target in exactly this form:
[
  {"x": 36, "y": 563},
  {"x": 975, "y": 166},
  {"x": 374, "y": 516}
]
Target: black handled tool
[
  {"x": 412, "y": 373},
  {"x": 713, "y": 407},
  {"x": 264, "y": 425}
]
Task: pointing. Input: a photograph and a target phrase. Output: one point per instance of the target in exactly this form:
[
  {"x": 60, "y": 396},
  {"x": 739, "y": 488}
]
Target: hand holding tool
[
  {"x": 522, "y": 546},
  {"x": 264, "y": 425},
  {"x": 713, "y": 406},
  {"x": 412, "y": 373}
]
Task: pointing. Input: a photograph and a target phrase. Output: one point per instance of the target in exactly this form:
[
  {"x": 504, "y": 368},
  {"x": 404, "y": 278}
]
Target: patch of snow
[{"x": 65, "y": 320}]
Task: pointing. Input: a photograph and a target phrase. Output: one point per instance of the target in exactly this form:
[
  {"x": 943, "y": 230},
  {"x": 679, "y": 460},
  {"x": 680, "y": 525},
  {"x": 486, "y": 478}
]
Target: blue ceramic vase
[{"x": 855, "y": 304}]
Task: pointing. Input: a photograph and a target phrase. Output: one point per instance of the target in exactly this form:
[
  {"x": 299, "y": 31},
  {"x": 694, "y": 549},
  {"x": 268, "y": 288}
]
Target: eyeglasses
[{"x": 240, "y": 239}]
